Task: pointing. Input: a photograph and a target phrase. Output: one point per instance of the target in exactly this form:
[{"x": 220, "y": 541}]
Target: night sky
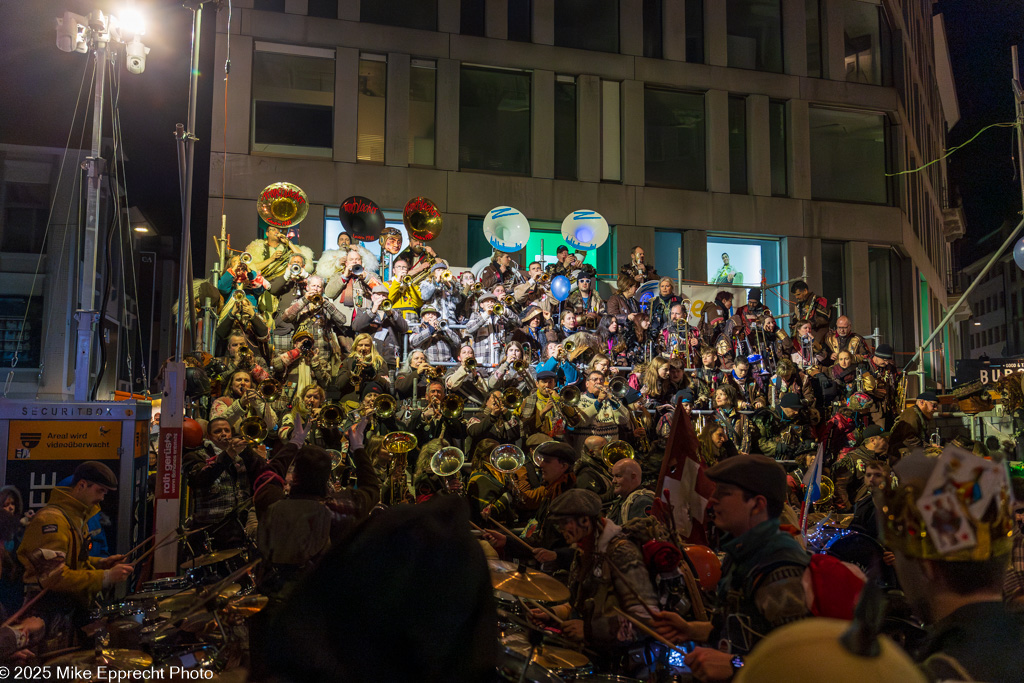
[{"x": 41, "y": 84}]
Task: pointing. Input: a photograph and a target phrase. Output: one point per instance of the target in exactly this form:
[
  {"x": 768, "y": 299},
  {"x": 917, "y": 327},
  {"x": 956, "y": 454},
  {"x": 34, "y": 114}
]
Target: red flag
[{"x": 683, "y": 487}]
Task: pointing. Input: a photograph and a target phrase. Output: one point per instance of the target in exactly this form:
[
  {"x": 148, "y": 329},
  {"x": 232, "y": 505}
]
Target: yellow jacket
[
  {"x": 62, "y": 526},
  {"x": 411, "y": 299}
]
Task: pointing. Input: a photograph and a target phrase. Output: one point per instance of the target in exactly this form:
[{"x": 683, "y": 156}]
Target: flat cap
[
  {"x": 379, "y": 289},
  {"x": 546, "y": 374},
  {"x": 758, "y": 474},
  {"x": 576, "y": 502},
  {"x": 872, "y": 431},
  {"x": 558, "y": 449},
  {"x": 537, "y": 439},
  {"x": 95, "y": 473},
  {"x": 487, "y": 295}
]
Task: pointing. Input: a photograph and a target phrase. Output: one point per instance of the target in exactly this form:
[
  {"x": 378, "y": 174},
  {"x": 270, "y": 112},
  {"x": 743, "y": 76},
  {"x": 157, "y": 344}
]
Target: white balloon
[
  {"x": 506, "y": 229},
  {"x": 585, "y": 229}
]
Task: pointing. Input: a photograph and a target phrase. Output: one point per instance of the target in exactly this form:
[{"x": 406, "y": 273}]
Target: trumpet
[
  {"x": 331, "y": 415},
  {"x": 442, "y": 324},
  {"x": 269, "y": 390},
  {"x": 452, "y": 407},
  {"x": 447, "y": 277},
  {"x": 385, "y": 306},
  {"x": 544, "y": 278},
  {"x": 384, "y": 406},
  {"x": 618, "y": 387},
  {"x": 435, "y": 372},
  {"x": 356, "y": 271},
  {"x": 476, "y": 288},
  {"x": 469, "y": 364},
  {"x": 245, "y": 357},
  {"x": 316, "y": 300},
  {"x": 245, "y": 258},
  {"x": 498, "y": 310},
  {"x": 365, "y": 371},
  {"x": 253, "y": 429},
  {"x": 295, "y": 270},
  {"x": 512, "y": 398},
  {"x": 509, "y": 300}
]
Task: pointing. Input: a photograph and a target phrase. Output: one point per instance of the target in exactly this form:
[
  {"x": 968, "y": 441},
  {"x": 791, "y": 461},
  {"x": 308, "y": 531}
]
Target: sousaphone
[{"x": 282, "y": 205}]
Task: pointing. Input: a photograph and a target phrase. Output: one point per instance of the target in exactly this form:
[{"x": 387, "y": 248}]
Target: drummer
[
  {"x": 608, "y": 572},
  {"x": 55, "y": 552}
]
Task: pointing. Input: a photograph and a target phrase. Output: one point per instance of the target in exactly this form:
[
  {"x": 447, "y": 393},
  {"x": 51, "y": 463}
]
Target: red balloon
[
  {"x": 362, "y": 219},
  {"x": 191, "y": 433}
]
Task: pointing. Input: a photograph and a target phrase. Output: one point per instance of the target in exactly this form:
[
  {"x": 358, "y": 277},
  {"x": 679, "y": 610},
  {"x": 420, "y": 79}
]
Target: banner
[{"x": 987, "y": 370}]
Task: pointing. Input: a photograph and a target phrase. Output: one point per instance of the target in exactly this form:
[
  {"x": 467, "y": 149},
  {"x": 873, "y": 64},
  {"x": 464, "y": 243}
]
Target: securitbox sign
[{"x": 63, "y": 440}]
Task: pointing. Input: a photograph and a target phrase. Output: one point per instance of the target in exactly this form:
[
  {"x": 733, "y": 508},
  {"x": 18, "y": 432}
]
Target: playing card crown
[{"x": 955, "y": 507}]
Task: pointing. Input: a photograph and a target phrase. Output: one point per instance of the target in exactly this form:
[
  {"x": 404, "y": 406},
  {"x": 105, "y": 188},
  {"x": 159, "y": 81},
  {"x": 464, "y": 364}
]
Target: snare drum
[
  {"x": 510, "y": 668},
  {"x": 171, "y": 583}
]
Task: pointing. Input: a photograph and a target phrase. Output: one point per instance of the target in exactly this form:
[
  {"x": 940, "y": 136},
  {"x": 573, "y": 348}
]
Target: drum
[
  {"x": 203, "y": 657},
  {"x": 124, "y": 609},
  {"x": 856, "y": 548},
  {"x": 213, "y": 567},
  {"x": 819, "y": 538},
  {"x": 172, "y": 583},
  {"x": 563, "y": 662},
  {"x": 510, "y": 668}
]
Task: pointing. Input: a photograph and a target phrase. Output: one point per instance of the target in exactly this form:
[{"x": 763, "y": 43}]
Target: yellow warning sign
[{"x": 63, "y": 440}]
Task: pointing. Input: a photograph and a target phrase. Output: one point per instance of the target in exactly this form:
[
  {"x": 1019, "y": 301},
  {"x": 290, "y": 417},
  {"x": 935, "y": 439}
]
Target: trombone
[
  {"x": 253, "y": 429},
  {"x": 523, "y": 369},
  {"x": 498, "y": 310}
]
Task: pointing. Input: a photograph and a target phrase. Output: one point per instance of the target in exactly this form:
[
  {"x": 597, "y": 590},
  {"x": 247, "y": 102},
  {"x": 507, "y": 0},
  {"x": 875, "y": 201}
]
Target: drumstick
[
  {"x": 149, "y": 552},
  {"x": 510, "y": 534},
  {"x": 650, "y": 631},
  {"x": 545, "y": 610},
  {"x": 127, "y": 554},
  {"x": 17, "y": 615}
]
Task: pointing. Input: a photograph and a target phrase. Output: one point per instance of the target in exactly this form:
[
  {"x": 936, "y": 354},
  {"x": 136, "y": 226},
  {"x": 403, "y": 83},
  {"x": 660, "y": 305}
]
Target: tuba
[
  {"x": 282, "y": 205},
  {"x": 422, "y": 219}
]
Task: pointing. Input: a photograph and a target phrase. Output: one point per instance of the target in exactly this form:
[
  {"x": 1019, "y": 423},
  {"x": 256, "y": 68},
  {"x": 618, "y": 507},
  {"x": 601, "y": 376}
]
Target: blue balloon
[
  {"x": 560, "y": 287},
  {"x": 1018, "y": 253}
]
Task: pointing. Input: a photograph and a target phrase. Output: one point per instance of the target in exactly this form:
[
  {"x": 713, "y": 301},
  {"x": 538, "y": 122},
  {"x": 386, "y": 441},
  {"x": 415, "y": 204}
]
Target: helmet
[{"x": 706, "y": 565}]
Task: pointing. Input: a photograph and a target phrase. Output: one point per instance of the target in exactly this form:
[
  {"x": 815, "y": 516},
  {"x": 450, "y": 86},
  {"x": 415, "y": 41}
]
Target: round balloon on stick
[
  {"x": 585, "y": 229},
  {"x": 362, "y": 219},
  {"x": 1018, "y": 253},
  {"x": 506, "y": 229},
  {"x": 560, "y": 287}
]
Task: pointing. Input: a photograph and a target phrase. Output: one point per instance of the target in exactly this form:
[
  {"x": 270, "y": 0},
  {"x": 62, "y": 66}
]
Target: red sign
[{"x": 168, "y": 480}]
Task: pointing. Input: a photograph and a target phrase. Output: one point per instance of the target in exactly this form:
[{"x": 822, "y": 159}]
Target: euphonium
[
  {"x": 384, "y": 406},
  {"x": 617, "y": 450},
  {"x": 398, "y": 442},
  {"x": 507, "y": 458},
  {"x": 447, "y": 461},
  {"x": 452, "y": 407}
]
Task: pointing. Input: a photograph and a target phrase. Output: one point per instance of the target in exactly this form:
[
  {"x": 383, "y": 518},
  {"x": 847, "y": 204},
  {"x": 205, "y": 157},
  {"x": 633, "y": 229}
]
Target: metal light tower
[{"x": 104, "y": 35}]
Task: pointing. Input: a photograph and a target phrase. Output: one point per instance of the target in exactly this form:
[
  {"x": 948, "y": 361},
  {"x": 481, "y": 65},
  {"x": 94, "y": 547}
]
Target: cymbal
[
  {"x": 198, "y": 623},
  {"x": 548, "y": 656},
  {"x": 186, "y": 598},
  {"x": 529, "y": 583},
  {"x": 501, "y": 566},
  {"x": 212, "y": 558},
  {"x": 112, "y": 658},
  {"x": 247, "y": 605}
]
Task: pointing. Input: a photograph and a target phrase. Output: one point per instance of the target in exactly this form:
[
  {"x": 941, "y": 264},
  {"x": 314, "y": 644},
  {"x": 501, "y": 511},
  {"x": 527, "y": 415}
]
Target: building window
[
  {"x": 565, "y": 128},
  {"x": 269, "y": 5},
  {"x": 494, "y": 120},
  {"x": 422, "y": 111},
  {"x": 293, "y": 101},
  {"x": 862, "y": 41},
  {"x": 653, "y": 33},
  {"x": 694, "y": 31},
  {"x": 778, "y": 148},
  {"x": 587, "y": 24},
  {"x": 738, "y": 145},
  {"x": 25, "y": 340},
  {"x": 739, "y": 261},
  {"x": 812, "y": 12},
  {"x": 674, "y": 140},
  {"x": 666, "y": 252},
  {"x": 325, "y": 9},
  {"x": 848, "y": 156},
  {"x": 833, "y": 265},
  {"x": 520, "y": 20},
  {"x": 25, "y": 210},
  {"x": 420, "y": 14},
  {"x": 755, "y": 34},
  {"x": 373, "y": 82},
  {"x": 472, "y": 18},
  {"x": 611, "y": 132}
]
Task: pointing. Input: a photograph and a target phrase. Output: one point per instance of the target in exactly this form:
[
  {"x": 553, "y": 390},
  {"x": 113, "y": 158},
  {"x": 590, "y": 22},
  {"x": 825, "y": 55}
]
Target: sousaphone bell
[{"x": 282, "y": 205}]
